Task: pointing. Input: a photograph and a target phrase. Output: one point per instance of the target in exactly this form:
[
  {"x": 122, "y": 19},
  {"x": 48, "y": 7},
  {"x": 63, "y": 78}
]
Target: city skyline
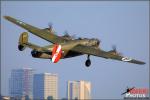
[
  {"x": 26, "y": 83},
  {"x": 124, "y": 24}
]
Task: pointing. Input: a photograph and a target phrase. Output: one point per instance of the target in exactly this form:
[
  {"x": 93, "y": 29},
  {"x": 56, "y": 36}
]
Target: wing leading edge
[
  {"x": 48, "y": 36},
  {"x": 100, "y": 53}
]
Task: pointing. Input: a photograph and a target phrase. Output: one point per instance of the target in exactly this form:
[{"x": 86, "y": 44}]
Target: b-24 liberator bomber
[{"x": 64, "y": 46}]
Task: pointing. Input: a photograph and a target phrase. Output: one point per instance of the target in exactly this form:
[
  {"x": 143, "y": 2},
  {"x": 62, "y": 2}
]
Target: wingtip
[
  {"x": 6, "y": 17},
  {"x": 142, "y": 63},
  {"x": 138, "y": 62}
]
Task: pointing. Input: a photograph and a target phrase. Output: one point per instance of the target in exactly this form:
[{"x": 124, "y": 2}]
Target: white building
[
  {"x": 79, "y": 90},
  {"x": 45, "y": 86}
]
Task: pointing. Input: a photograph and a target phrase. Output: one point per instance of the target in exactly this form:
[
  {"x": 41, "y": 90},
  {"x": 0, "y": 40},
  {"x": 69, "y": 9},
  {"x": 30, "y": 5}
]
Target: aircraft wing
[
  {"x": 46, "y": 35},
  {"x": 104, "y": 54}
]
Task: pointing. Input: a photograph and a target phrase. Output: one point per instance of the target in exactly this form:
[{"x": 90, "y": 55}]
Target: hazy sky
[{"x": 124, "y": 24}]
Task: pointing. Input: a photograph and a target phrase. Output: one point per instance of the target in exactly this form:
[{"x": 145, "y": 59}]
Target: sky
[{"x": 124, "y": 24}]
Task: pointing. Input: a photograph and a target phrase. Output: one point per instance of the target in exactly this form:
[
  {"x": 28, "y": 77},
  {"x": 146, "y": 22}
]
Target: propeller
[
  {"x": 50, "y": 25},
  {"x": 114, "y": 49},
  {"x": 67, "y": 35},
  {"x": 73, "y": 36}
]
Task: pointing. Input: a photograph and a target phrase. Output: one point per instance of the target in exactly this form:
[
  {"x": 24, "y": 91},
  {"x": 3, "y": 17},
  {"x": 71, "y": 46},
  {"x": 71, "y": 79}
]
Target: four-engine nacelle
[
  {"x": 35, "y": 53},
  {"x": 38, "y": 54}
]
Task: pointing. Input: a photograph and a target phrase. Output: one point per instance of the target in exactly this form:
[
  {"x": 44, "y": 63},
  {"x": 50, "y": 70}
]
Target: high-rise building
[
  {"x": 79, "y": 90},
  {"x": 21, "y": 83},
  {"x": 45, "y": 86}
]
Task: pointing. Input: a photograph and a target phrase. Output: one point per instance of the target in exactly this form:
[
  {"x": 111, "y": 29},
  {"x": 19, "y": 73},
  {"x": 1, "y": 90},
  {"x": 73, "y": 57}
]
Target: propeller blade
[
  {"x": 114, "y": 48},
  {"x": 73, "y": 36},
  {"x": 50, "y": 24},
  {"x": 121, "y": 54},
  {"x": 66, "y": 32}
]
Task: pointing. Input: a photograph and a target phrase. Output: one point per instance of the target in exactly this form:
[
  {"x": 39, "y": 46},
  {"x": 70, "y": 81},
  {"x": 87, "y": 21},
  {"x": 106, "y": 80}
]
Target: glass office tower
[{"x": 21, "y": 83}]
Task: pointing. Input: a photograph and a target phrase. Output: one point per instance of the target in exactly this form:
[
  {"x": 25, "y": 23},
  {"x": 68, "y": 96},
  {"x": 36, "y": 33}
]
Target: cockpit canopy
[{"x": 96, "y": 40}]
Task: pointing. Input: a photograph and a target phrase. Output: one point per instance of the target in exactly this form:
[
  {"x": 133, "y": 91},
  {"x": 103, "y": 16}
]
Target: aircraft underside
[{"x": 70, "y": 54}]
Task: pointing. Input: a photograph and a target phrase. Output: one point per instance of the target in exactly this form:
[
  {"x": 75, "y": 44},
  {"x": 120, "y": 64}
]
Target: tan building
[
  {"x": 79, "y": 90},
  {"x": 45, "y": 86}
]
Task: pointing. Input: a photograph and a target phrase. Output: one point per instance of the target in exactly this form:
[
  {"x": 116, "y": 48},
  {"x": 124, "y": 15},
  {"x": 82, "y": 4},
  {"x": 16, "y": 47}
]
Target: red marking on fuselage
[{"x": 56, "y": 53}]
